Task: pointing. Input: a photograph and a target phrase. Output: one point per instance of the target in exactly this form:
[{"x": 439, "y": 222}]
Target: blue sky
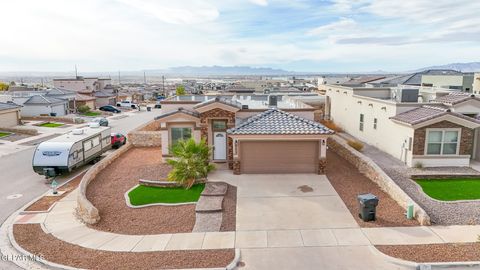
[{"x": 321, "y": 36}]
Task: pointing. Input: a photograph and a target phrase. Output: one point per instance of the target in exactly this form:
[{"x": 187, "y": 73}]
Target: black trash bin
[
  {"x": 53, "y": 114},
  {"x": 149, "y": 109},
  {"x": 367, "y": 206}
]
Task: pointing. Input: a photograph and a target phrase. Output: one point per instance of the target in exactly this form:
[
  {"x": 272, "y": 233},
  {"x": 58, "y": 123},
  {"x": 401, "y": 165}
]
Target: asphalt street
[{"x": 19, "y": 184}]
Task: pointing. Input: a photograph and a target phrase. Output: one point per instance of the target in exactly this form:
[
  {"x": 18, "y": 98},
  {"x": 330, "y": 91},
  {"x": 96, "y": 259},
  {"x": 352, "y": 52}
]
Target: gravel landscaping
[
  {"x": 349, "y": 182},
  {"x": 441, "y": 213},
  {"x": 44, "y": 203},
  {"x": 434, "y": 252},
  {"x": 32, "y": 238},
  {"x": 107, "y": 191}
]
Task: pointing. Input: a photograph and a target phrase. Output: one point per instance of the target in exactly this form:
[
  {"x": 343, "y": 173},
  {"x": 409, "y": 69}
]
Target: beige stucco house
[
  {"x": 253, "y": 134},
  {"x": 443, "y": 132},
  {"x": 9, "y": 114}
]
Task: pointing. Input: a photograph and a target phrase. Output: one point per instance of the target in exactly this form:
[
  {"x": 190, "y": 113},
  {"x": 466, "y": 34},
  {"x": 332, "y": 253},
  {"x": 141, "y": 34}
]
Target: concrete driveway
[
  {"x": 297, "y": 221},
  {"x": 286, "y": 202}
]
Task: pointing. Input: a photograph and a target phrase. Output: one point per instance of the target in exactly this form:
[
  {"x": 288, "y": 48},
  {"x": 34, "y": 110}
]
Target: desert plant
[
  {"x": 190, "y": 162},
  {"x": 331, "y": 125},
  {"x": 83, "y": 109},
  {"x": 180, "y": 91},
  {"x": 418, "y": 165},
  {"x": 355, "y": 145}
]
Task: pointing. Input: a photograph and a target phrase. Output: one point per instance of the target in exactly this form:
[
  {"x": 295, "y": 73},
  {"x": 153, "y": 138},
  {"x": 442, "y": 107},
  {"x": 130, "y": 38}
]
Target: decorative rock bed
[{"x": 209, "y": 209}]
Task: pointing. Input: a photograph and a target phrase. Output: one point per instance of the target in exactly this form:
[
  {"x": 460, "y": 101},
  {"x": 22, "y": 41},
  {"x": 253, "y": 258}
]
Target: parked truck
[
  {"x": 127, "y": 104},
  {"x": 71, "y": 150}
]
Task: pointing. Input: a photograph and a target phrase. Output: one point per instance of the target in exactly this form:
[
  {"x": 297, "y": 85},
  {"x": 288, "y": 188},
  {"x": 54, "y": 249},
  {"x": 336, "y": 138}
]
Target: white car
[{"x": 127, "y": 103}]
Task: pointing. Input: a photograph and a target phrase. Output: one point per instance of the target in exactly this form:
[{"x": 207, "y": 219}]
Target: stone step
[
  {"x": 215, "y": 189},
  {"x": 209, "y": 204},
  {"x": 208, "y": 222}
]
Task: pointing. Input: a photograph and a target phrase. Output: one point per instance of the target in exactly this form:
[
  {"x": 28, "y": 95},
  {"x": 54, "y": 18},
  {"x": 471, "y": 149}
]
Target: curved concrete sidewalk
[{"x": 62, "y": 223}]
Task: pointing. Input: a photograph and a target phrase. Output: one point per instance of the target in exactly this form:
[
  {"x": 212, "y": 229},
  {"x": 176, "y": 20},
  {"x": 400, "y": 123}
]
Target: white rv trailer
[{"x": 71, "y": 150}]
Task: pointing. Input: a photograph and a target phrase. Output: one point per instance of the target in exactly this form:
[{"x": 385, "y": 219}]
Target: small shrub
[
  {"x": 355, "y": 145},
  {"x": 331, "y": 125},
  {"x": 418, "y": 165},
  {"x": 83, "y": 109}
]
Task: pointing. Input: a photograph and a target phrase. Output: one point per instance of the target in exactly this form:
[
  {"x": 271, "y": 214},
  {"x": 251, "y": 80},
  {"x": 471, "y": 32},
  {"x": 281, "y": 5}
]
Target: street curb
[
  {"x": 235, "y": 261},
  {"x": 429, "y": 265}
]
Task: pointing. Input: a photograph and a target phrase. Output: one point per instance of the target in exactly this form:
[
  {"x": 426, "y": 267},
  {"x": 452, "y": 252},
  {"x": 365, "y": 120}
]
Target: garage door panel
[{"x": 279, "y": 156}]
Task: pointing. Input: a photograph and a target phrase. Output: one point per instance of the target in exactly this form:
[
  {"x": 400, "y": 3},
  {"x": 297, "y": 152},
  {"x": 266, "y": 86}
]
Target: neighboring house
[
  {"x": 64, "y": 94},
  {"x": 253, "y": 134},
  {"x": 476, "y": 83},
  {"x": 104, "y": 98},
  {"x": 462, "y": 82},
  {"x": 83, "y": 100},
  {"x": 82, "y": 84},
  {"x": 9, "y": 114},
  {"x": 41, "y": 105},
  {"x": 431, "y": 134}
]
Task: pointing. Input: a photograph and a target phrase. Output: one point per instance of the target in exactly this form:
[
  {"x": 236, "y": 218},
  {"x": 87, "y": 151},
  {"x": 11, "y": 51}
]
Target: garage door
[{"x": 279, "y": 156}]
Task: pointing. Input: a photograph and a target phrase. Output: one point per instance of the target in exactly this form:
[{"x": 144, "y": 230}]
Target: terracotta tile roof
[
  {"x": 455, "y": 98},
  {"x": 180, "y": 110},
  {"x": 425, "y": 113},
  {"x": 278, "y": 122}
]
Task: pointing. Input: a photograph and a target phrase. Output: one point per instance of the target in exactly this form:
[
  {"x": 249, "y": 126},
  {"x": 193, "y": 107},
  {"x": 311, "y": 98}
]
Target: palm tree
[{"x": 191, "y": 162}]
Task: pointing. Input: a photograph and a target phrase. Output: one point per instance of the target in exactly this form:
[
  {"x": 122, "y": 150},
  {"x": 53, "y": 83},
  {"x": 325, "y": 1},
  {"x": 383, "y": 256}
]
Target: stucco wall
[
  {"x": 9, "y": 118},
  {"x": 371, "y": 170}
]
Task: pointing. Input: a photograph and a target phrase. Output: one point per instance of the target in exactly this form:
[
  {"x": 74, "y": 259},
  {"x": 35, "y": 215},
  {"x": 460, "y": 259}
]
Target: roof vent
[
  {"x": 77, "y": 131},
  {"x": 94, "y": 125}
]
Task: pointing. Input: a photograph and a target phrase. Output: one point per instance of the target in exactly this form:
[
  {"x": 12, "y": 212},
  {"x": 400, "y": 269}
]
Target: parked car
[
  {"x": 102, "y": 121},
  {"x": 127, "y": 103},
  {"x": 118, "y": 140},
  {"x": 109, "y": 108}
]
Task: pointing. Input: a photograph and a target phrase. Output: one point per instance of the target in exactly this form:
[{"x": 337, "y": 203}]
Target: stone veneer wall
[
  {"x": 372, "y": 171},
  {"x": 28, "y": 131},
  {"x": 86, "y": 211},
  {"x": 466, "y": 138},
  {"x": 322, "y": 166},
  {"x": 70, "y": 120},
  {"x": 145, "y": 138},
  {"x": 147, "y": 135},
  {"x": 218, "y": 114}
]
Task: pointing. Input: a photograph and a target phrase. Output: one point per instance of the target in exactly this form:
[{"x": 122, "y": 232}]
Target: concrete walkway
[{"x": 62, "y": 223}]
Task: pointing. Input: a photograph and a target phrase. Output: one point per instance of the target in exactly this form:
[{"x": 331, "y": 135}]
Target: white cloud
[
  {"x": 176, "y": 12},
  {"x": 344, "y": 24},
  {"x": 259, "y": 2}
]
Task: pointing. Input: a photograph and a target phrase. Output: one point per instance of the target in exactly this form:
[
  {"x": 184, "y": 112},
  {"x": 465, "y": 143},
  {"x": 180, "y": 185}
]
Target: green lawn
[
  {"x": 52, "y": 125},
  {"x": 143, "y": 195},
  {"x": 4, "y": 134},
  {"x": 451, "y": 189},
  {"x": 92, "y": 114}
]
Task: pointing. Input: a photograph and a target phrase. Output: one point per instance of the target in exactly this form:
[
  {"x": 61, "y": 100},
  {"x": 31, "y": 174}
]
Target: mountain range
[{"x": 463, "y": 67}]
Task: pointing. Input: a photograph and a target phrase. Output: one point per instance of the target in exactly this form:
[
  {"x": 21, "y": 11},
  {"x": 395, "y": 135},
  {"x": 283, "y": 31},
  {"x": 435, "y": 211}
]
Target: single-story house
[
  {"x": 252, "y": 134},
  {"x": 41, "y": 105},
  {"x": 83, "y": 100},
  {"x": 104, "y": 98},
  {"x": 9, "y": 114}
]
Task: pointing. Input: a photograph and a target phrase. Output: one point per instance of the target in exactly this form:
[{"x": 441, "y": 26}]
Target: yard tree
[
  {"x": 3, "y": 86},
  {"x": 190, "y": 163},
  {"x": 83, "y": 109},
  {"x": 180, "y": 90}
]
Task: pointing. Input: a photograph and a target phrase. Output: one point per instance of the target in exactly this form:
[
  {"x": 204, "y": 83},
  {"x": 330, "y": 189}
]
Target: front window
[
  {"x": 442, "y": 142},
  {"x": 362, "y": 118},
  {"x": 219, "y": 125},
  {"x": 180, "y": 134}
]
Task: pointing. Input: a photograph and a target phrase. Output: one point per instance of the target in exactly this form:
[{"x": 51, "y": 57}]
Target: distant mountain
[
  {"x": 463, "y": 67},
  {"x": 222, "y": 70}
]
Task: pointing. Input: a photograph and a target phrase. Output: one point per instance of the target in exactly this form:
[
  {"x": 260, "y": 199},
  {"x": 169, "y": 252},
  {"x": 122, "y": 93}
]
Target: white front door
[{"x": 220, "y": 145}]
